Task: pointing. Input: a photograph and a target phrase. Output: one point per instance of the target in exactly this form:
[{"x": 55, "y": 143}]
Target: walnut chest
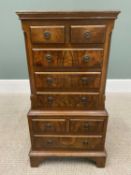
[{"x": 67, "y": 55}]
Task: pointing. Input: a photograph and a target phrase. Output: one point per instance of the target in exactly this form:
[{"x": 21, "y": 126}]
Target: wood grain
[
  {"x": 68, "y": 59},
  {"x": 67, "y": 143},
  {"x": 67, "y": 56},
  {"x": 56, "y": 34},
  {"x": 66, "y": 81},
  {"x": 88, "y": 34}
]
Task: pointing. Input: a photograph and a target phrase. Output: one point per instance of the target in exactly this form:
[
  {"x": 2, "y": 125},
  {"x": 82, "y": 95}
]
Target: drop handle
[
  {"x": 85, "y": 80},
  {"x": 50, "y": 99},
  {"x": 84, "y": 100},
  {"x": 86, "y": 126},
  {"x": 49, "y": 80},
  {"x": 49, "y": 141},
  {"x": 86, "y": 59},
  {"x": 49, "y": 126},
  {"x": 85, "y": 142},
  {"x": 47, "y": 35},
  {"x": 48, "y": 57},
  {"x": 87, "y": 35}
]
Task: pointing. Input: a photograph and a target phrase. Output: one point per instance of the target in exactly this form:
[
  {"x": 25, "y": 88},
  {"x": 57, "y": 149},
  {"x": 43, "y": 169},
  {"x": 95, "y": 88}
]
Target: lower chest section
[{"x": 67, "y": 132}]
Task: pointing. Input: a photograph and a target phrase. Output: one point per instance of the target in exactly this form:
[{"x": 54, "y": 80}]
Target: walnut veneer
[{"x": 67, "y": 55}]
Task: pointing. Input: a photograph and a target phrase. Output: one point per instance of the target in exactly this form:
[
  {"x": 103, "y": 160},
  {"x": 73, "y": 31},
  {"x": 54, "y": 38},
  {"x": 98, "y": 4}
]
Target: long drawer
[
  {"x": 70, "y": 143},
  {"x": 67, "y": 59},
  {"x": 67, "y": 81},
  {"x": 67, "y": 101}
]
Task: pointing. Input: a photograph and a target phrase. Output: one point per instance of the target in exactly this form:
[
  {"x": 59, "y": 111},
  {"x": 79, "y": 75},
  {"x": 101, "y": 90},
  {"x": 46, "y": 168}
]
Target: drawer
[
  {"x": 69, "y": 101},
  {"x": 73, "y": 143},
  {"x": 47, "y": 34},
  {"x": 88, "y": 34},
  {"x": 67, "y": 81},
  {"x": 86, "y": 126},
  {"x": 68, "y": 60},
  {"x": 48, "y": 126}
]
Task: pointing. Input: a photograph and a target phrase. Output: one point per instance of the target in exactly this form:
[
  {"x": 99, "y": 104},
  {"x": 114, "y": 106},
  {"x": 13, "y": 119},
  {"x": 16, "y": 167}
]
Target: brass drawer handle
[
  {"x": 49, "y": 80},
  {"x": 85, "y": 80},
  {"x": 50, "y": 99},
  {"x": 84, "y": 100},
  {"x": 47, "y": 35},
  {"x": 49, "y": 141},
  {"x": 87, "y": 35},
  {"x": 86, "y": 59},
  {"x": 85, "y": 142},
  {"x": 49, "y": 125},
  {"x": 48, "y": 57},
  {"x": 86, "y": 125}
]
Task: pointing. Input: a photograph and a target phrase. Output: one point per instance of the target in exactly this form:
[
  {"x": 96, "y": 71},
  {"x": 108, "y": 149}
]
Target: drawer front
[
  {"x": 88, "y": 34},
  {"x": 60, "y": 81},
  {"x": 86, "y": 126},
  {"x": 65, "y": 101},
  {"x": 48, "y": 126},
  {"x": 47, "y": 34},
  {"x": 68, "y": 60},
  {"x": 74, "y": 143}
]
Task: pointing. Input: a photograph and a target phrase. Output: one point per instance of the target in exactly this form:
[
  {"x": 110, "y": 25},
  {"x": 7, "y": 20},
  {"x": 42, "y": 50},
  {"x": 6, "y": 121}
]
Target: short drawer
[
  {"x": 68, "y": 60},
  {"x": 67, "y": 81},
  {"x": 63, "y": 101},
  {"x": 47, "y": 34},
  {"x": 73, "y": 143},
  {"x": 48, "y": 126},
  {"x": 86, "y": 126},
  {"x": 88, "y": 34}
]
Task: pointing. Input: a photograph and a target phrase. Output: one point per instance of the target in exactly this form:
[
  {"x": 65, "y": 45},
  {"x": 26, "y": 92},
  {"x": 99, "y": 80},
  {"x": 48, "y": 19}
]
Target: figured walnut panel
[
  {"x": 70, "y": 143},
  {"x": 60, "y": 81},
  {"x": 68, "y": 60},
  {"x": 47, "y": 34},
  {"x": 67, "y": 102},
  {"x": 87, "y": 126},
  {"x": 48, "y": 126},
  {"x": 88, "y": 34}
]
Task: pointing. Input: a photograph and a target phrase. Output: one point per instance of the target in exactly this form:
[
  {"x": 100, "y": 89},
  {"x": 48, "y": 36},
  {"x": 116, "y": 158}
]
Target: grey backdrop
[{"x": 12, "y": 51}]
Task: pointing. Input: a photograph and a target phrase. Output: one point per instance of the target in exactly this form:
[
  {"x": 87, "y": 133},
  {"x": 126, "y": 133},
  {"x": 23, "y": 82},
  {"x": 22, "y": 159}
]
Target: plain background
[{"x": 12, "y": 51}]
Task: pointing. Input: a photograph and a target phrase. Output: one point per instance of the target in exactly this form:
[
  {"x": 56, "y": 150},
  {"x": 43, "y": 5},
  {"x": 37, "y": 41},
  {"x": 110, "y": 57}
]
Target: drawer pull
[
  {"x": 84, "y": 100},
  {"x": 49, "y": 142},
  {"x": 85, "y": 80},
  {"x": 48, "y": 57},
  {"x": 86, "y": 58},
  {"x": 86, "y": 125},
  {"x": 47, "y": 35},
  {"x": 49, "y": 126},
  {"x": 85, "y": 142},
  {"x": 87, "y": 35},
  {"x": 50, "y": 99},
  {"x": 49, "y": 80}
]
